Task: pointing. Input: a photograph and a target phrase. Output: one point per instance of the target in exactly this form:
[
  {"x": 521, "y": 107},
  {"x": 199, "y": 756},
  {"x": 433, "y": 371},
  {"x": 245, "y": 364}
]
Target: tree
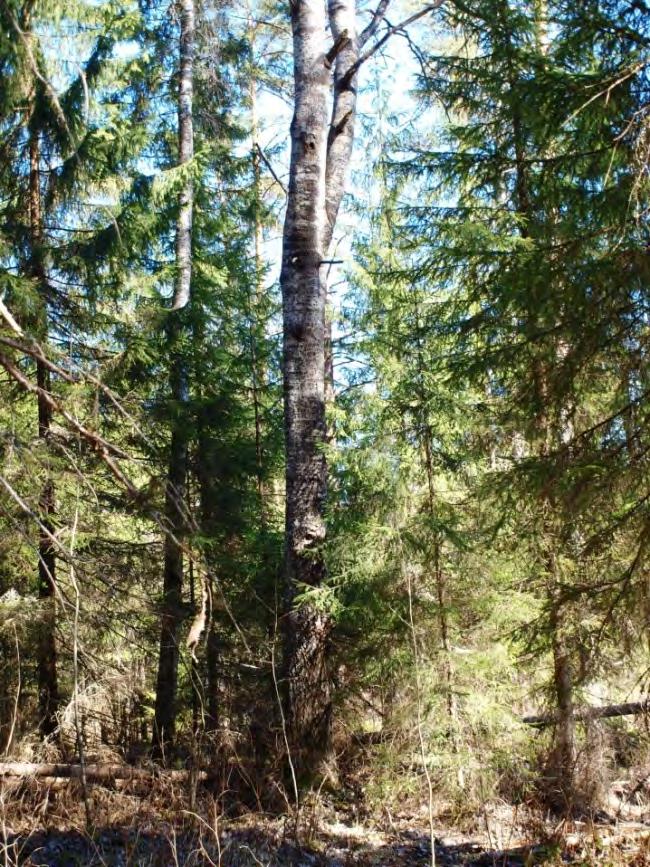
[
  {"x": 175, "y": 500},
  {"x": 524, "y": 209},
  {"x": 58, "y": 145},
  {"x": 321, "y": 145}
]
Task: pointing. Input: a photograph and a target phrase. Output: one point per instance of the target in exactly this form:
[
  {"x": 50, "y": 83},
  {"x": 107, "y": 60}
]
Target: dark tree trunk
[
  {"x": 166, "y": 684},
  {"x": 321, "y": 146},
  {"x": 215, "y": 686},
  {"x": 562, "y": 765},
  {"x": 608, "y": 711},
  {"x": 563, "y": 759},
  {"x": 48, "y": 694}
]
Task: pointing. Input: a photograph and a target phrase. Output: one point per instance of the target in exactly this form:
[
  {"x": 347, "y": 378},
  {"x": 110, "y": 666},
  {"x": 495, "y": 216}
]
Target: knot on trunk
[{"x": 309, "y": 142}]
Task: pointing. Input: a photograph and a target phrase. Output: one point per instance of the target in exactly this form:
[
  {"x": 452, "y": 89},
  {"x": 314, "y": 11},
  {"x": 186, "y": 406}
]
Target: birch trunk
[
  {"x": 256, "y": 323},
  {"x": 166, "y": 685},
  {"x": 340, "y": 137}
]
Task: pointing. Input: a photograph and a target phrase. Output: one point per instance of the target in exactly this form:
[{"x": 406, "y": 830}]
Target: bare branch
[
  {"x": 9, "y": 319},
  {"x": 384, "y": 39},
  {"x": 267, "y": 163},
  {"x": 377, "y": 18}
]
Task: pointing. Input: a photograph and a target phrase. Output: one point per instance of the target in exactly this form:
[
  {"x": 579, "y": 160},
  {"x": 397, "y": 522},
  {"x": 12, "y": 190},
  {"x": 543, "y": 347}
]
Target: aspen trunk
[
  {"x": 166, "y": 685},
  {"x": 48, "y": 695},
  {"x": 306, "y": 630},
  {"x": 321, "y": 146}
]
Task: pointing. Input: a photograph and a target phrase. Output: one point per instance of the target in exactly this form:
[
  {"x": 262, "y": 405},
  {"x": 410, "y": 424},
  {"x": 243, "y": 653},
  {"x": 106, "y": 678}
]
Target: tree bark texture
[
  {"x": 48, "y": 693},
  {"x": 564, "y": 754},
  {"x": 306, "y": 630},
  {"x": 166, "y": 684},
  {"x": 340, "y": 137},
  {"x": 322, "y": 135},
  {"x": 185, "y": 154}
]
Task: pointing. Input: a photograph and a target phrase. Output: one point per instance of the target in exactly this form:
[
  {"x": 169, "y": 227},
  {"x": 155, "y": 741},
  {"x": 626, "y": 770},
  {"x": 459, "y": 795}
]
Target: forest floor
[{"x": 131, "y": 831}]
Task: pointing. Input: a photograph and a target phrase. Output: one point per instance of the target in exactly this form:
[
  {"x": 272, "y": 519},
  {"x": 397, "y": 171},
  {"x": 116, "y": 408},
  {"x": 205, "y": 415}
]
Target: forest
[{"x": 324, "y": 432}]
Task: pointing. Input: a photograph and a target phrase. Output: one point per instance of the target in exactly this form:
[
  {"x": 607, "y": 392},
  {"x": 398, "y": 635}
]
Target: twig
[
  {"x": 352, "y": 71},
  {"x": 270, "y": 168}
]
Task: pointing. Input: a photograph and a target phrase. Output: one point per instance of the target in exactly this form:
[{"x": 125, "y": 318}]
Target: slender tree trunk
[
  {"x": 48, "y": 694},
  {"x": 565, "y": 750},
  {"x": 214, "y": 671},
  {"x": 166, "y": 685},
  {"x": 256, "y": 326},
  {"x": 441, "y": 594},
  {"x": 185, "y": 154},
  {"x": 340, "y": 139},
  {"x": 340, "y": 136}
]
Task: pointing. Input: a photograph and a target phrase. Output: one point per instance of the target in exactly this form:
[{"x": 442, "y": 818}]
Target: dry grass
[{"x": 153, "y": 826}]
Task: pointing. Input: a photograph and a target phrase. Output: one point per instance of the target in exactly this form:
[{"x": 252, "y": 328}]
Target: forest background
[{"x": 373, "y": 582}]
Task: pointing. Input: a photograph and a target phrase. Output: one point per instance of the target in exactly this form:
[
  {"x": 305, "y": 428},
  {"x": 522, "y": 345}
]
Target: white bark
[
  {"x": 342, "y": 16},
  {"x": 185, "y": 154}
]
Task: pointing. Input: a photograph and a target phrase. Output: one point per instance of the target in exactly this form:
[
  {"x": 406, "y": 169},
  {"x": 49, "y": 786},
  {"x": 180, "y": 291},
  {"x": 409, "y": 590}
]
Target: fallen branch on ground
[
  {"x": 590, "y": 713},
  {"x": 93, "y": 773}
]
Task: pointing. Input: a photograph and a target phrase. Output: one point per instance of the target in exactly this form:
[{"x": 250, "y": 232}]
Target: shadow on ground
[{"x": 128, "y": 847}]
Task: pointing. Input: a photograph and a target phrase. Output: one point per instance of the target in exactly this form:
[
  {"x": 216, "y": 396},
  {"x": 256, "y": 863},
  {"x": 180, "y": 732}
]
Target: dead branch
[
  {"x": 608, "y": 711},
  {"x": 94, "y": 773}
]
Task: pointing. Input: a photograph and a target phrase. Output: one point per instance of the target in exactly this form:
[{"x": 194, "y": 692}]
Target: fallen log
[
  {"x": 628, "y": 708},
  {"x": 94, "y": 773}
]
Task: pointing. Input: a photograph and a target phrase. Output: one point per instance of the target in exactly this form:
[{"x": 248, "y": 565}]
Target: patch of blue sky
[{"x": 127, "y": 49}]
